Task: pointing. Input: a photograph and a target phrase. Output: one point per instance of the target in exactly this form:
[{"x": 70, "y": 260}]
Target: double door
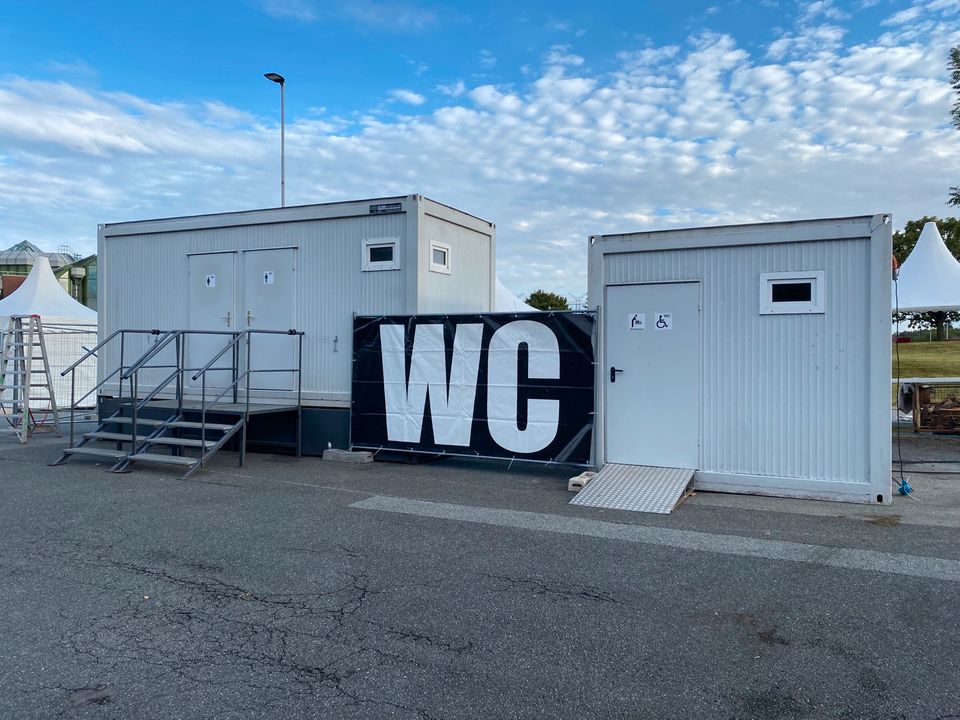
[{"x": 235, "y": 291}]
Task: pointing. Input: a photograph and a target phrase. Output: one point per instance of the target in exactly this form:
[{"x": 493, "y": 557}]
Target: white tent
[
  {"x": 929, "y": 278},
  {"x": 69, "y": 329},
  {"x": 506, "y": 301}
]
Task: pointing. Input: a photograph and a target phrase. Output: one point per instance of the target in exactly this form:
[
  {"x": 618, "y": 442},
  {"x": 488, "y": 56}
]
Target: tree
[
  {"x": 953, "y": 65},
  {"x": 903, "y": 242},
  {"x": 543, "y": 300}
]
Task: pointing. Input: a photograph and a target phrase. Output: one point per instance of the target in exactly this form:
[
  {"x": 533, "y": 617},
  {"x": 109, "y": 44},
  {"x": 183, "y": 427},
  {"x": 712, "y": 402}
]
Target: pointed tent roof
[
  {"x": 41, "y": 294},
  {"x": 929, "y": 278},
  {"x": 506, "y": 301}
]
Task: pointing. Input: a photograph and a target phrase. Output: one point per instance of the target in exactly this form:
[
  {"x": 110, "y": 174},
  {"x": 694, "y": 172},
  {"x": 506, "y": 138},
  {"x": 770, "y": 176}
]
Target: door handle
[
  {"x": 249, "y": 318},
  {"x": 613, "y": 373},
  {"x": 227, "y": 318}
]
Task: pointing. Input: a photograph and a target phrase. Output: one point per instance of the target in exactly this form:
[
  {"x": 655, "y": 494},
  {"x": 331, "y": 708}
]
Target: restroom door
[
  {"x": 652, "y": 374},
  {"x": 211, "y": 296},
  {"x": 269, "y": 280}
]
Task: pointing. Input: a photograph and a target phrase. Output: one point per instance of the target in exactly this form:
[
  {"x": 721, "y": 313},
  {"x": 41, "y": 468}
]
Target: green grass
[{"x": 928, "y": 359}]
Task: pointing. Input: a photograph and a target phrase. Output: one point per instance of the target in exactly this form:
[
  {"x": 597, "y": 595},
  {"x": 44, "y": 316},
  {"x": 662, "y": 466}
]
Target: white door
[
  {"x": 211, "y": 295},
  {"x": 652, "y": 374},
  {"x": 269, "y": 281}
]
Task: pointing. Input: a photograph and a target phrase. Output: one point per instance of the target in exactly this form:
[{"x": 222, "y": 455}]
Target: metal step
[
  {"x": 119, "y": 437},
  {"x": 164, "y": 459},
  {"x": 197, "y": 426},
  {"x": 182, "y": 442},
  {"x": 151, "y": 422},
  {"x": 95, "y": 452}
]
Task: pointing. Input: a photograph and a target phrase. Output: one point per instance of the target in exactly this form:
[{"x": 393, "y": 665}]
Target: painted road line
[{"x": 848, "y": 558}]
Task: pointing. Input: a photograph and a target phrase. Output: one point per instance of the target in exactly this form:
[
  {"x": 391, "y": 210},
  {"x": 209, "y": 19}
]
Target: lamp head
[{"x": 275, "y": 77}]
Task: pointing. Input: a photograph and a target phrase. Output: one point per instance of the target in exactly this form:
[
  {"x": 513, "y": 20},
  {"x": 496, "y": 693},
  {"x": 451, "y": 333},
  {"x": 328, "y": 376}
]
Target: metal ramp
[{"x": 641, "y": 488}]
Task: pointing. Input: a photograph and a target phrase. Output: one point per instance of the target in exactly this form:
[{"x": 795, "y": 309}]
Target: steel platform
[
  {"x": 641, "y": 488},
  {"x": 223, "y": 408}
]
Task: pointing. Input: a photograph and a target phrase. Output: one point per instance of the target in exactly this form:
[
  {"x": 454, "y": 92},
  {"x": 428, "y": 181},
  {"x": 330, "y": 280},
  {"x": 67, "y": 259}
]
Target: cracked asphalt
[{"x": 261, "y": 592}]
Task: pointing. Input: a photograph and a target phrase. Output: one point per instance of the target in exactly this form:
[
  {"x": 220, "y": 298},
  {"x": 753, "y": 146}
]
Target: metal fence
[{"x": 65, "y": 343}]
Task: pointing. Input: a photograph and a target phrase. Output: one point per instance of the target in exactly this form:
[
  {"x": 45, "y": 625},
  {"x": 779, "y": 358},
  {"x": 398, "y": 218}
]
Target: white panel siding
[
  {"x": 783, "y": 395},
  {"x": 467, "y": 288},
  {"x": 144, "y": 284}
]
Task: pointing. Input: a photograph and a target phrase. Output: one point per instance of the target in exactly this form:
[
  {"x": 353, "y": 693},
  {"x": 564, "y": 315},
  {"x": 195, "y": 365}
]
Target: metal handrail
[
  {"x": 160, "y": 387},
  {"x": 246, "y": 374},
  {"x": 132, "y": 375},
  {"x": 219, "y": 355},
  {"x": 239, "y": 335},
  {"x": 98, "y": 346},
  {"x": 94, "y": 388},
  {"x": 169, "y": 336}
]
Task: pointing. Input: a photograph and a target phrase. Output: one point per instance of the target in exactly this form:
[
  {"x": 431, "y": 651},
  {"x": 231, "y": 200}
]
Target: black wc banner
[{"x": 494, "y": 385}]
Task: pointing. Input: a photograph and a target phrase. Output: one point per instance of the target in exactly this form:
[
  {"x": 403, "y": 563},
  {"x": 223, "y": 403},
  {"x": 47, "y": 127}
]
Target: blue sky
[{"x": 554, "y": 120}]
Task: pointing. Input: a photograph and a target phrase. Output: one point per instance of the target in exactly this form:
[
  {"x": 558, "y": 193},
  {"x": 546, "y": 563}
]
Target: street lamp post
[{"x": 279, "y": 79}]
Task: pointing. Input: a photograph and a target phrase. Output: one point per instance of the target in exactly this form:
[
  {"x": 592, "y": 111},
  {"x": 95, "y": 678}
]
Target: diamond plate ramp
[{"x": 642, "y": 488}]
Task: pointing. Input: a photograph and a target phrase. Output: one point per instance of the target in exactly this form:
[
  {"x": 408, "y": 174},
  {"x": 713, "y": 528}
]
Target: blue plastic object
[{"x": 904, "y": 488}]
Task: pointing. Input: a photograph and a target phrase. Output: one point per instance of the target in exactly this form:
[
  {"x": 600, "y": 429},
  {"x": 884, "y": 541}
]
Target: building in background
[{"x": 78, "y": 276}]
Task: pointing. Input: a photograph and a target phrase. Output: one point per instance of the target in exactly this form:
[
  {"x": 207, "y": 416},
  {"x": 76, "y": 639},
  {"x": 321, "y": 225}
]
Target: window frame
[
  {"x": 438, "y": 267},
  {"x": 368, "y": 265},
  {"x": 815, "y": 306}
]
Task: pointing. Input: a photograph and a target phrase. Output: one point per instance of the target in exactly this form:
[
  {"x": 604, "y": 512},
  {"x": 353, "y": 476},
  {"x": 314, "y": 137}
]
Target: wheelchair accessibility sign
[{"x": 664, "y": 321}]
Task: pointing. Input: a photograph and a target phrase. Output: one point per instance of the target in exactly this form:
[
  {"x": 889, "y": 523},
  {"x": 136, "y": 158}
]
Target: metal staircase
[
  {"x": 169, "y": 424},
  {"x": 23, "y": 361}
]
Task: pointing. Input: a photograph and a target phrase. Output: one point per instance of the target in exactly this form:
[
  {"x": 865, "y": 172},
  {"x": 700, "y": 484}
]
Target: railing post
[
  {"x": 299, "y": 392},
  {"x": 123, "y": 339},
  {"x": 180, "y": 351},
  {"x": 73, "y": 400},
  {"x": 203, "y": 417},
  {"x": 236, "y": 370},
  {"x": 246, "y": 413},
  {"x": 134, "y": 391}
]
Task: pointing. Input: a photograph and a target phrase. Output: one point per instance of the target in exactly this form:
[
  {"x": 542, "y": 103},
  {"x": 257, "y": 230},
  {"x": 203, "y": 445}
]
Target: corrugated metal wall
[
  {"x": 782, "y": 395},
  {"x": 467, "y": 288},
  {"x": 145, "y": 284}
]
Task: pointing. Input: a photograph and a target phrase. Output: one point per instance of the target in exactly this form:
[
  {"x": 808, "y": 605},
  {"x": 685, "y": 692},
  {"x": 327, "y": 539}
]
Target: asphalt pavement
[{"x": 302, "y": 589}]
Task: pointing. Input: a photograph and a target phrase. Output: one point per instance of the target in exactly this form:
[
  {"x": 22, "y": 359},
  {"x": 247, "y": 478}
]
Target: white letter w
[{"x": 451, "y": 406}]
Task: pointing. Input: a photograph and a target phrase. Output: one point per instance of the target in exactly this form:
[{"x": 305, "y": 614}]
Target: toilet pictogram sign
[
  {"x": 636, "y": 321},
  {"x": 664, "y": 321}
]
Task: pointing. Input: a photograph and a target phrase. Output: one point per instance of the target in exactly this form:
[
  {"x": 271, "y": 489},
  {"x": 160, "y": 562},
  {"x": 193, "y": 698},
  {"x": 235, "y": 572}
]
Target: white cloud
[
  {"x": 812, "y": 10},
  {"x": 560, "y": 55},
  {"x": 487, "y": 59},
  {"x": 697, "y": 134},
  {"x": 301, "y": 10},
  {"x": 75, "y": 67},
  {"x": 392, "y": 15},
  {"x": 904, "y": 16},
  {"x": 407, "y": 96},
  {"x": 453, "y": 89},
  {"x": 389, "y": 15}
]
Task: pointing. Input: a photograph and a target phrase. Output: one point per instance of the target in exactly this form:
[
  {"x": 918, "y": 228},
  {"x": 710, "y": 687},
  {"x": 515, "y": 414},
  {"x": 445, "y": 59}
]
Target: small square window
[
  {"x": 781, "y": 292},
  {"x": 440, "y": 257},
  {"x": 380, "y": 254},
  {"x": 792, "y": 293}
]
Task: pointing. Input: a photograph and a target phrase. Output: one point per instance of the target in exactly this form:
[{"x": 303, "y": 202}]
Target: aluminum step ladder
[{"x": 25, "y": 376}]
